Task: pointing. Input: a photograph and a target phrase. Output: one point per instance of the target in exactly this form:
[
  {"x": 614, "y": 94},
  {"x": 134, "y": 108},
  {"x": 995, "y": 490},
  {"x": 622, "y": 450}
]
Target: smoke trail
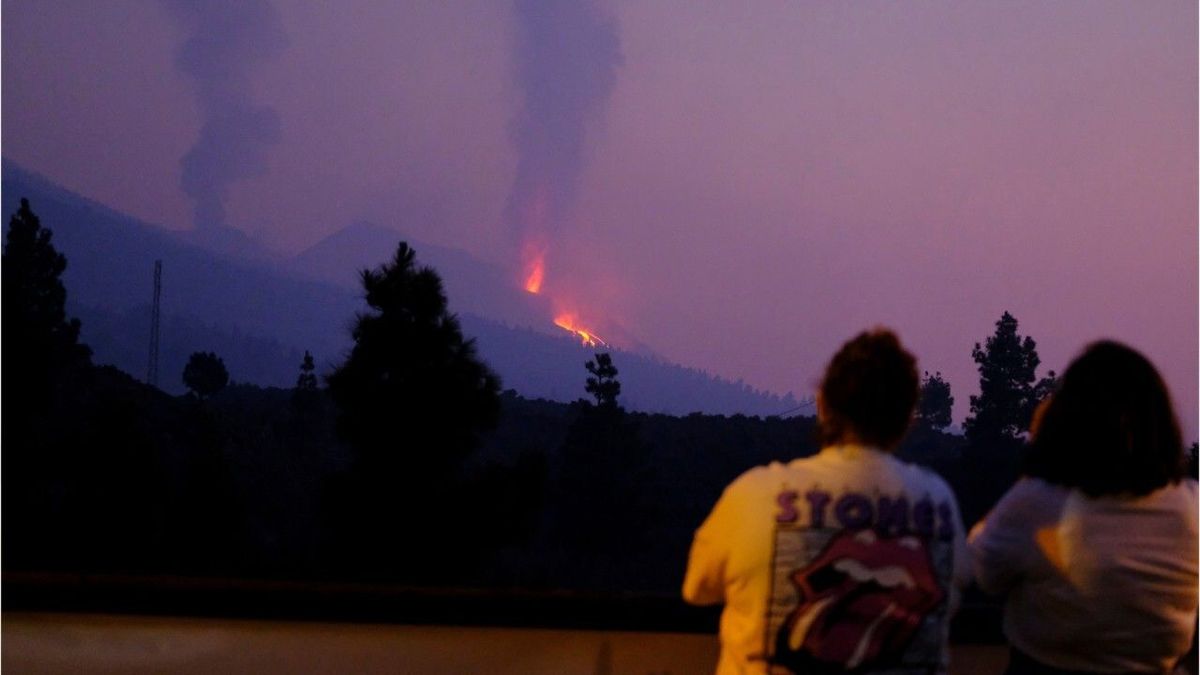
[
  {"x": 225, "y": 39},
  {"x": 567, "y": 54}
]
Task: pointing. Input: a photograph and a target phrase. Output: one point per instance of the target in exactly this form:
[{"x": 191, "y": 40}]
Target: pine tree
[
  {"x": 39, "y": 341},
  {"x": 412, "y": 391},
  {"x": 603, "y": 384},
  {"x": 46, "y": 375},
  {"x": 412, "y": 400},
  {"x": 935, "y": 404},
  {"x": 1008, "y": 390},
  {"x": 308, "y": 378},
  {"x": 603, "y": 509}
]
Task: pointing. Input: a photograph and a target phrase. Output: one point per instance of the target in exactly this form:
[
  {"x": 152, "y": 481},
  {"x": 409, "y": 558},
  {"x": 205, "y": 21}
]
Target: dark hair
[
  {"x": 869, "y": 390},
  {"x": 1109, "y": 427}
]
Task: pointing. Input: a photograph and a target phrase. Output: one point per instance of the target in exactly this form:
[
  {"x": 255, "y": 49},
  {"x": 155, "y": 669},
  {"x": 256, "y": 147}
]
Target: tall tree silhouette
[
  {"x": 44, "y": 365},
  {"x": 603, "y": 383},
  {"x": 205, "y": 374},
  {"x": 412, "y": 400},
  {"x": 412, "y": 390},
  {"x": 935, "y": 404},
  {"x": 307, "y": 381},
  {"x": 40, "y": 343},
  {"x": 1008, "y": 392},
  {"x": 604, "y": 511}
]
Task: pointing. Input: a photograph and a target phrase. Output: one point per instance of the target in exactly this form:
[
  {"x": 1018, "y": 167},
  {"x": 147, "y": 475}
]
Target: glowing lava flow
[
  {"x": 533, "y": 280},
  {"x": 535, "y": 274},
  {"x": 586, "y": 337}
]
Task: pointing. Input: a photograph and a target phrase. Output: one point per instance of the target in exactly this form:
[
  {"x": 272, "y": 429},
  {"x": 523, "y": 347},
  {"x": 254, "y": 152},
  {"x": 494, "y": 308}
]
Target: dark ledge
[{"x": 367, "y": 603}]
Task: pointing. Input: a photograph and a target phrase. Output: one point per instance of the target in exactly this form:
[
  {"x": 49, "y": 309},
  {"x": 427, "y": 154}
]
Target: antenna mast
[{"x": 152, "y": 369}]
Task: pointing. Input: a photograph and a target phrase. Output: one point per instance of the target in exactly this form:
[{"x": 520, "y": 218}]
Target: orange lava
[
  {"x": 533, "y": 280},
  {"x": 586, "y": 337}
]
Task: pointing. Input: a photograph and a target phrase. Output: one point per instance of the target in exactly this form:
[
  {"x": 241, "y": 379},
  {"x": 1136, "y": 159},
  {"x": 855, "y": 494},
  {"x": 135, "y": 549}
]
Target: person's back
[
  {"x": 1132, "y": 563},
  {"x": 846, "y": 560},
  {"x": 1102, "y": 584},
  {"x": 1096, "y": 547}
]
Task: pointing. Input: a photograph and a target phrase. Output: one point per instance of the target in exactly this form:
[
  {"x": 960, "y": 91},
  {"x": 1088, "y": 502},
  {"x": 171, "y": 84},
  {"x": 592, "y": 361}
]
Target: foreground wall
[{"x": 98, "y": 643}]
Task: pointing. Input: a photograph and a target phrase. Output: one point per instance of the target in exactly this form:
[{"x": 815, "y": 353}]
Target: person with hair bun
[
  {"x": 847, "y": 561},
  {"x": 1096, "y": 545}
]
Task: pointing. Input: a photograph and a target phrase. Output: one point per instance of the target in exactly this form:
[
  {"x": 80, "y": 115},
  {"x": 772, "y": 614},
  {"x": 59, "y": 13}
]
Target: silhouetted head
[
  {"x": 1109, "y": 427},
  {"x": 868, "y": 392}
]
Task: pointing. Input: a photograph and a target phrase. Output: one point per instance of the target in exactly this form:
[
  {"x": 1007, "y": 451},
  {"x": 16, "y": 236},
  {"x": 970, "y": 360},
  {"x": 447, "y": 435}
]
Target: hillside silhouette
[{"x": 260, "y": 313}]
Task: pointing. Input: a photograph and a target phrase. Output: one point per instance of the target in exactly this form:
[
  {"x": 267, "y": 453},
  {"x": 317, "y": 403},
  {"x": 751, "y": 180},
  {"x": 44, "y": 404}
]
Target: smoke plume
[
  {"x": 567, "y": 54},
  {"x": 225, "y": 40}
]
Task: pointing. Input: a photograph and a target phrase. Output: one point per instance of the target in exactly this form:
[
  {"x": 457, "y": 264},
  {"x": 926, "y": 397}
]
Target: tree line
[{"x": 408, "y": 463}]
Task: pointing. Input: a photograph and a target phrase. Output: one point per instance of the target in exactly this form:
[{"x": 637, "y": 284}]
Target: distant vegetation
[
  {"x": 411, "y": 466},
  {"x": 205, "y": 374}
]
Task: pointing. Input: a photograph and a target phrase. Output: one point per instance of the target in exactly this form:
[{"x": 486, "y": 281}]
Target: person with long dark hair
[
  {"x": 846, "y": 561},
  {"x": 1095, "y": 546}
]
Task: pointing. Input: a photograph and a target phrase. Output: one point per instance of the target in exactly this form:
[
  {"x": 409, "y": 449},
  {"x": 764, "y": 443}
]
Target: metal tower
[{"x": 152, "y": 369}]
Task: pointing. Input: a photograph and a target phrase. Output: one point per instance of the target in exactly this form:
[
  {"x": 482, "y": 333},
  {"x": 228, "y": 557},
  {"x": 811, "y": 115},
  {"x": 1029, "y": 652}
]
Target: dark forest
[{"x": 408, "y": 463}]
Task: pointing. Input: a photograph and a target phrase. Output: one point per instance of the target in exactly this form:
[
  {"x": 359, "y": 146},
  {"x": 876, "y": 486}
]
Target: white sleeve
[
  {"x": 962, "y": 554},
  {"x": 1002, "y": 545},
  {"x": 704, "y": 582}
]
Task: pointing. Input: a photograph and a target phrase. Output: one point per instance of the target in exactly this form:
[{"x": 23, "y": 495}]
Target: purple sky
[{"x": 760, "y": 183}]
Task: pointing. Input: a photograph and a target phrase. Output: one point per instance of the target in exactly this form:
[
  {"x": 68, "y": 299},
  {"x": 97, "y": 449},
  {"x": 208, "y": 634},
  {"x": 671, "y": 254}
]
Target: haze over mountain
[
  {"x": 743, "y": 187},
  {"x": 261, "y": 312},
  {"x": 474, "y": 286}
]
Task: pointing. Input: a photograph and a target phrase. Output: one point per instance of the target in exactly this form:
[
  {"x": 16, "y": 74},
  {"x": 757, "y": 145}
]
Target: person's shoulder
[
  {"x": 1181, "y": 496},
  {"x": 1035, "y": 488},
  {"x": 1033, "y": 500},
  {"x": 927, "y": 478},
  {"x": 764, "y": 477},
  {"x": 1188, "y": 488},
  {"x": 757, "y": 476}
]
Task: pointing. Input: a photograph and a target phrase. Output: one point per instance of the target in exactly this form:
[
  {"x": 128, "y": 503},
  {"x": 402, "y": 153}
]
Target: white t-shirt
[
  {"x": 1105, "y": 584},
  {"x": 850, "y": 558}
]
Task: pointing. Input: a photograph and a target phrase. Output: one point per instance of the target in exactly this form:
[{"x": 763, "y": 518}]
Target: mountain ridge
[{"x": 264, "y": 315}]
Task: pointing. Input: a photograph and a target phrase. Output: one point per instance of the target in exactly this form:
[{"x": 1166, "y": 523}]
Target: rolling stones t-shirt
[{"x": 847, "y": 561}]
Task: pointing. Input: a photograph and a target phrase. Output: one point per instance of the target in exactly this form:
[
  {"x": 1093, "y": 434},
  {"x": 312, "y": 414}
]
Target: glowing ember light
[
  {"x": 533, "y": 280},
  {"x": 586, "y": 337}
]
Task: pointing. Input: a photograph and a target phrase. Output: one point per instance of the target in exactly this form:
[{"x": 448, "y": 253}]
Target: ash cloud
[
  {"x": 225, "y": 40},
  {"x": 566, "y": 57}
]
